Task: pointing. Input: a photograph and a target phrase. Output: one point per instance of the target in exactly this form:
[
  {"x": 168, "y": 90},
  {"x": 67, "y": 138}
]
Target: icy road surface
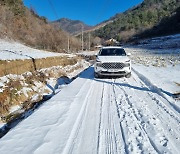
[{"x": 104, "y": 116}]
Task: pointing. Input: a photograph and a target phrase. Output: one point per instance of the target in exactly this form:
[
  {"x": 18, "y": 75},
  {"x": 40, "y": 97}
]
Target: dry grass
[
  {"x": 19, "y": 23},
  {"x": 11, "y": 95},
  {"x": 4, "y": 102}
]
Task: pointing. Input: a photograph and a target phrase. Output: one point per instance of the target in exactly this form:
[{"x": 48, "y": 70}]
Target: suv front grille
[{"x": 113, "y": 65}]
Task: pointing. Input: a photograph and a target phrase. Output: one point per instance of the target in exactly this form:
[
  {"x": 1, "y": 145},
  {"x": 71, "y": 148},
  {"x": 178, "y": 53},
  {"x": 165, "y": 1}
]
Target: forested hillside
[
  {"x": 19, "y": 23},
  {"x": 167, "y": 26},
  {"x": 138, "y": 19}
]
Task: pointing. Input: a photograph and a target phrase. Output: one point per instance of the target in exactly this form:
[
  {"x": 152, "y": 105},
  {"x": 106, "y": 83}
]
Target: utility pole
[
  {"x": 82, "y": 39},
  {"x": 89, "y": 41},
  {"x": 68, "y": 43}
]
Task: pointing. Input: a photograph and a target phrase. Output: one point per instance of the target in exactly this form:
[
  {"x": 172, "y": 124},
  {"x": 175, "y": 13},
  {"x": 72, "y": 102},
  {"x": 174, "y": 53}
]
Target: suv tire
[
  {"x": 128, "y": 75},
  {"x": 96, "y": 75}
]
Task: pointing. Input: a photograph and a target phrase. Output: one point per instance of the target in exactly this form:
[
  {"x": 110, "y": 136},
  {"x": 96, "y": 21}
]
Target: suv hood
[{"x": 112, "y": 58}]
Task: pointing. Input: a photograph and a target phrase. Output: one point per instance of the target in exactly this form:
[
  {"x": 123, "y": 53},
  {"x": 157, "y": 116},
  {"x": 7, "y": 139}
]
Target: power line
[
  {"x": 53, "y": 9},
  {"x": 68, "y": 43}
]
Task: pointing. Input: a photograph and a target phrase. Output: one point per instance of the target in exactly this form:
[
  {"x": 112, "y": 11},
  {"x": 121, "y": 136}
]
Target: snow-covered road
[{"x": 102, "y": 116}]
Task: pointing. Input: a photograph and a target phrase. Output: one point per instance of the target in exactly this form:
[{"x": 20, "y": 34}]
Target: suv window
[{"x": 112, "y": 52}]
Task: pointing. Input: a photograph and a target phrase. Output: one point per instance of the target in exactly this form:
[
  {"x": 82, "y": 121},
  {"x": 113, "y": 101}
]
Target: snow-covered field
[
  {"x": 10, "y": 50},
  {"x": 166, "y": 42},
  {"x": 166, "y": 78},
  {"x": 120, "y": 115},
  {"x": 158, "y": 59}
]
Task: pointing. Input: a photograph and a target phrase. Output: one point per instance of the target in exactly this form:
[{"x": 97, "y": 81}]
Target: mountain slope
[
  {"x": 169, "y": 25},
  {"x": 20, "y": 23},
  {"x": 136, "y": 20},
  {"x": 71, "y": 26}
]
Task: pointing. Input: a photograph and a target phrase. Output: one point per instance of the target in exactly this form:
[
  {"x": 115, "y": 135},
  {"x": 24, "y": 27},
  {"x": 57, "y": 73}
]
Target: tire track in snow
[
  {"x": 87, "y": 139},
  {"x": 172, "y": 119},
  {"x": 111, "y": 140},
  {"x": 160, "y": 102},
  {"x": 120, "y": 123},
  {"x": 130, "y": 123},
  {"x": 167, "y": 123},
  {"x": 139, "y": 121},
  {"x": 154, "y": 113},
  {"x": 105, "y": 141},
  {"x": 109, "y": 132},
  {"x": 100, "y": 121},
  {"x": 75, "y": 130},
  {"x": 160, "y": 92}
]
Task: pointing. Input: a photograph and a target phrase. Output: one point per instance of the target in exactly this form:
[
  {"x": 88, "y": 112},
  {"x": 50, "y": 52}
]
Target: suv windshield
[{"x": 112, "y": 52}]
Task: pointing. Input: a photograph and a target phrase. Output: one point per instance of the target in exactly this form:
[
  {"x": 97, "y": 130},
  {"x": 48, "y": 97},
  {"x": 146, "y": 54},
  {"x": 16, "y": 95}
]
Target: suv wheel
[
  {"x": 128, "y": 75},
  {"x": 96, "y": 75}
]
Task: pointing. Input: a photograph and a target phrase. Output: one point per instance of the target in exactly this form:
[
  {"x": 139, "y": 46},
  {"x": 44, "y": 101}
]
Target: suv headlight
[
  {"x": 98, "y": 62},
  {"x": 127, "y": 63}
]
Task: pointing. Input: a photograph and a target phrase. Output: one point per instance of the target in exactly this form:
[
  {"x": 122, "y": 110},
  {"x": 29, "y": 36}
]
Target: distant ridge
[
  {"x": 17, "y": 22},
  {"x": 71, "y": 26},
  {"x": 150, "y": 13}
]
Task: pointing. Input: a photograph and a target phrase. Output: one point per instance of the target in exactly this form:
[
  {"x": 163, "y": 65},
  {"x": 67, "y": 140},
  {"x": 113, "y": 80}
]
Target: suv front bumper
[{"x": 112, "y": 72}]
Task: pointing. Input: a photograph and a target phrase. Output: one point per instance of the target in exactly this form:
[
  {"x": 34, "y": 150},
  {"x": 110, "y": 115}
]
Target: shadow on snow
[{"x": 89, "y": 74}]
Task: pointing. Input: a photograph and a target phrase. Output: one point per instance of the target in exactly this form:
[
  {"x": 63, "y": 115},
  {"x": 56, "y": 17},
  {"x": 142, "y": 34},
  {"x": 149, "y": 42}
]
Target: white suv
[{"x": 112, "y": 61}]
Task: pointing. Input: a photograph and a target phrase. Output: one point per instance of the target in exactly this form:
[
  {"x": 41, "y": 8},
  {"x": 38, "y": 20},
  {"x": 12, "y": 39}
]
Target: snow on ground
[
  {"x": 134, "y": 115},
  {"x": 70, "y": 70},
  {"x": 165, "y": 42},
  {"x": 10, "y": 50},
  {"x": 166, "y": 78},
  {"x": 2, "y": 85},
  {"x": 14, "y": 108},
  {"x": 88, "y": 53},
  {"x": 84, "y": 65},
  {"x": 158, "y": 59},
  {"x": 2, "y": 125},
  {"x": 100, "y": 116},
  {"x": 160, "y": 51}
]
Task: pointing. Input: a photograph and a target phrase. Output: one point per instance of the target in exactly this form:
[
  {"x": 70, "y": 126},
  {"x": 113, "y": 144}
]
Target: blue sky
[{"x": 90, "y": 12}]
